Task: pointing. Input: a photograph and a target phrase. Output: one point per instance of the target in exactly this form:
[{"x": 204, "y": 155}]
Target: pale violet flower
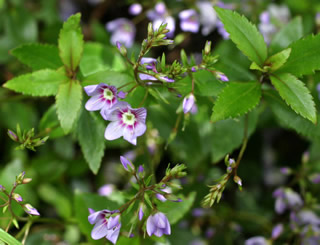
[
  {"x": 127, "y": 165},
  {"x": 135, "y": 9},
  {"x": 106, "y": 190},
  {"x": 123, "y": 31},
  {"x": 103, "y": 97},
  {"x": 141, "y": 213},
  {"x": 189, "y": 20},
  {"x": 127, "y": 122},
  {"x": 208, "y": 17},
  {"x": 188, "y": 103},
  {"x": 30, "y": 210},
  {"x": 222, "y": 77},
  {"x": 159, "y": 15},
  {"x": 286, "y": 199},
  {"x": 257, "y": 240},
  {"x": 277, "y": 231},
  {"x": 106, "y": 225},
  {"x": 158, "y": 224}
]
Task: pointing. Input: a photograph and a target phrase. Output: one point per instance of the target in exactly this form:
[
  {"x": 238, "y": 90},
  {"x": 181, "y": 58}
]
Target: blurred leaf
[
  {"x": 71, "y": 42},
  {"x": 7, "y": 238},
  {"x": 295, "y": 94},
  {"x": 96, "y": 57},
  {"x": 235, "y": 100},
  {"x": 244, "y": 34},
  {"x": 39, "y": 83},
  {"x": 50, "y": 123},
  {"x": 51, "y": 195},
  {"x": 288, "y": 118},
  {"x": 288, "y": 34},
  {"x": 90, "y": 130},
  {"x": 207, "y": 84},
  {"x": 278, "y": 60},
  {"x": 128, "y": 241},
  {"x": 68, "y": 102},
  {"x": 99, "y": 32},
  {"x": 38, "y": 56},
  {"x": 304, "y": 58},
  {"x": 176, "y": 210}
]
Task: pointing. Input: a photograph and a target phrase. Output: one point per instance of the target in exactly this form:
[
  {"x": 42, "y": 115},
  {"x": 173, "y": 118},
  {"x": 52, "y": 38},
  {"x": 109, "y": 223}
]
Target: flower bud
[
  {"x": 17, "y": 197},
  {"x": 30, "y": 210},
  {"x": 126, "y": 164},
  {"x": 13, "y": 136},
  {"x": 26, "y": 180},
  {"x": 237, "y": 180},
  {"x": 207, "y": 48},
  {"x": 122, "y": 49}
]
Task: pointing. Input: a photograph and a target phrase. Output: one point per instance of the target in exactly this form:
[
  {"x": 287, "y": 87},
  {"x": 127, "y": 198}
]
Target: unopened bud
[
  {"x": 122, "y": 49},
  {"x": 13, "y": 136},
  {"x": 207, "y": 48},
  {"x": 17, "y": 197},
  {"x": 237, "y": 180},
  {"x": 150, "y": 29},
  {"x": 26, "y": 180}
]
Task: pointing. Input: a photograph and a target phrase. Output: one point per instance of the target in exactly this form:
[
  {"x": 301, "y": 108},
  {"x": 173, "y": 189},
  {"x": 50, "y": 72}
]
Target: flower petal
[
  {"x": 113, "y": 221},
  {"x": 95, "y": 103},
  {"x": 99, "y": 230},
  {"x": 139, "y": 129},
  {"x": 128, "y": 135},
  {"x": 151, "y": 227},
  {"x": 90, "y": 89},
  {"x": 113, "y": 235},
  {"x": 114, "y": 131}
]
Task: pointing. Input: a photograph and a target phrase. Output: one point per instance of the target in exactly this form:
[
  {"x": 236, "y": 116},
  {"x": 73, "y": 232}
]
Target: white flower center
[
  {"x": 108, "y": 94},
  {"x": 128, "y": 118}
]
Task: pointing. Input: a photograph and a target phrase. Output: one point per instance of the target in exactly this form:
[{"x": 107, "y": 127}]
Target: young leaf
[
  {"x": 288, "y": 118},
  {"x": 39, "y": 83},
  {"x": 89, "y": 130},
  {"x": 38, "y": 56},
  {"x": 304, "y": 58},
  {"x": 288, "y": 34},
  {"x": 71, "y": 42},
  {"x": 235, "y": 100},
  {"x": 8, "y": 239},
  {"x": 295, "y": 94},
  {"x": 50, "y": 123},
  {"x": 244, "y": 34},
  {"x": 68, "y": 102},
  {"x": 278, "y": 60}
]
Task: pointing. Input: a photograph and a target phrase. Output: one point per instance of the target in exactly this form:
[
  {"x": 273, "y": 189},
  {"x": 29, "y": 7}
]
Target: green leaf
[
  {"x": 304, "y": 58},
  {"x": 207, "y": 84},
  {"x": 288, "y": 34},
  {"x": 96, "y": 57},
  {"x": 71, "y": 42},
  {"x": 68, "y": 102},
  {"x": 235, "y": 100},
  {"x": 295, "y": 94},
  {"x": 50, "y": 123},
  {"x": 110, "y": 77},
  {"x": 244, "y": 34},
  {"x": 54, "y": 197},
  {"x": 7, "y": 238},
  {"x": 89, "y": 130},
  {"x": 278, "y": 60},
  {"x": 40, "y": 83},
  {"x": 176, "y": 210},
  {"x": 38, "y": 56},
  {"x": 288, "y": 118}
]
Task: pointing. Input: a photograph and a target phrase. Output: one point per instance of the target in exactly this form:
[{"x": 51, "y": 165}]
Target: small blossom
[
  {"x": 188, "y": 103},
  {"x": 140, "y": 169},
  {"x": 285, "y": 171},
  {"x": 222, "y": 77},
  {"x": 123, "y": 30},
  {"x": 122, "y": 94},
  {"x": 286, "y": 198},
  {"x": 189, "y": 20},
  {"x": 17, "y": 197},
  {"x": 126, "y": 163},
  {"x": 135, "y": 9},
  {"x": 158, "y": 225},
  {"x": 106, "y": 190},
  {"x": 208, "y": 17},
  {"x": 127, "y": 122},
  {"x": 30, "y": 210},
  {"x": 161, "y": 197},
  {"x": 210, "y": 232},
  {"x": 159, "y": 15},
  {"x": 141, "y": 213},
  {"x": 166, "y": 79},
  {"x": 276, "y": 231},
  {"x": 315, "y": 178},
  {"x": 103, "y": 97},
  {"x": 106, "y": 225},
  {"x": 257, "y": 240}
]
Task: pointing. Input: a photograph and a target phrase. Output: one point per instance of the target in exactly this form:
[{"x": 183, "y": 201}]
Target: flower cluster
[
  {"x": 125, "y": 121},
  {"x": 108, "y": 223}
]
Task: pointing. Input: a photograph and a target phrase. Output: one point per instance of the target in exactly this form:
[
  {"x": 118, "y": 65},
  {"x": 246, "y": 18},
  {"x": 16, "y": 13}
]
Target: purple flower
[
  {"x": 276, "y": 231},
  {"x": 166, "y": 79},
  {"x": 315, "y": 178},
  {"x": 104, "y": 97},
  {"x": 188, "y": 103},
  {"x": 208, "y": 17},
  {"x": 17, "y": 197},
  {"x": 307, "y": 217},
  {"x": 161, "y": 197},
  {"x": 135, "y": 9},
  {"x": 13, "y": 136},
  {"x": 127, "y": 122},
  {"x": 150, "y": 64},
  {"x": 285, "y": 171},
  {"x": 222, "y": 77},
  {"x": 106, "y": 225},
  {"x": 286, "y": 198},
  {"x": 189, "y": 20},
  {"x": 30, "y": 210},
  {"x": 126, "y": 164},
  {"x": 257, "y": 240},
  {"x": 141, "y": 213},
  {"x": 122, "y": 94},
  {"x": 106, "y": 190},
  {"x": 140, "y": 169},
  {"x": 123, "y": 30},
  {"x": 160, "y": 16},
  {"x": 158, "y": 225}
]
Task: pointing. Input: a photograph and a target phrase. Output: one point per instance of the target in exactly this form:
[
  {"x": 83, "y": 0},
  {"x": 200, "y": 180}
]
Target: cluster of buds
[
  {"x": 108, "y": 223},
  {"x": 13, "y": 196},
  {"x": 26, "y": 139}
]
